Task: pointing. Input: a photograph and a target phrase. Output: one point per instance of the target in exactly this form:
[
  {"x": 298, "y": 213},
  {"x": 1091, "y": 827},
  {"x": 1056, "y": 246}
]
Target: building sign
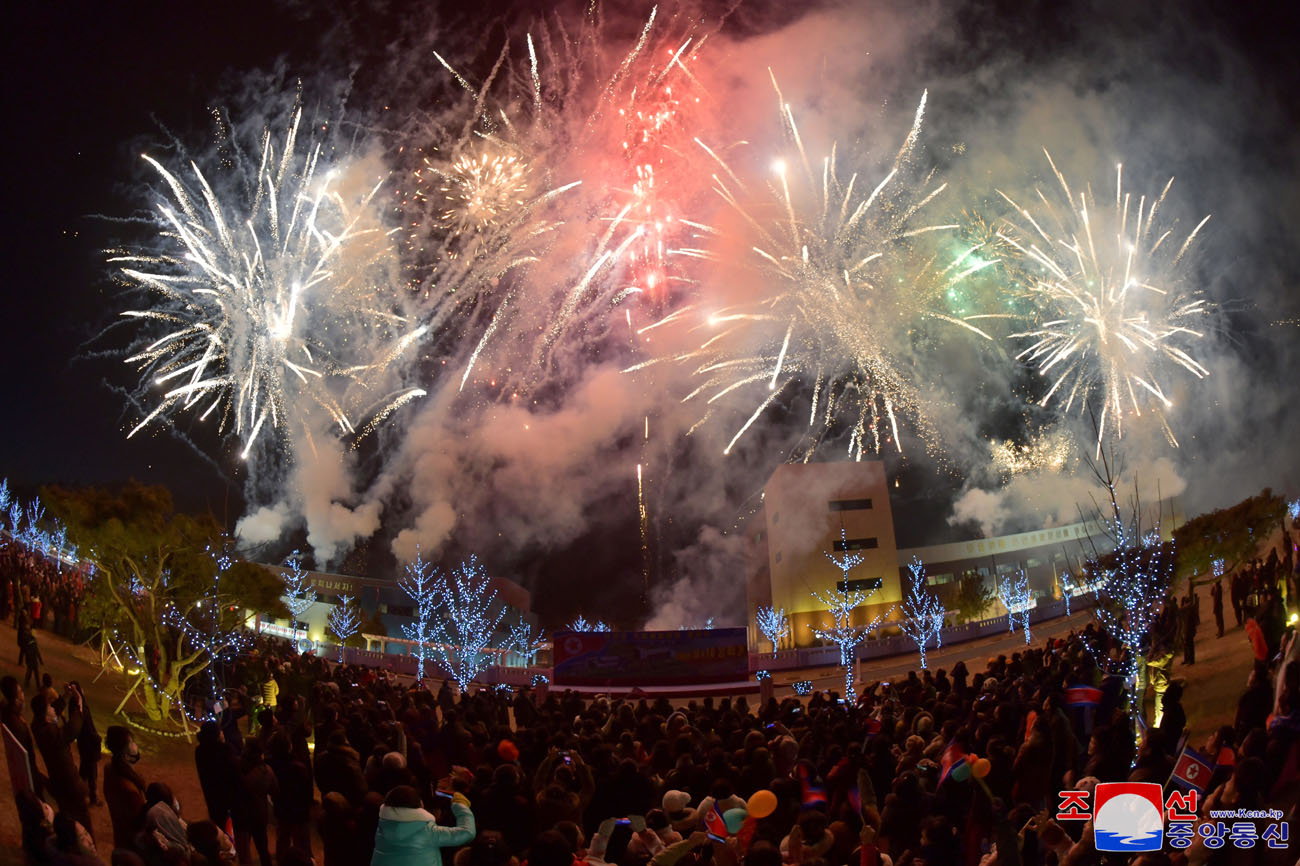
[{"x": 650, "y": 658}]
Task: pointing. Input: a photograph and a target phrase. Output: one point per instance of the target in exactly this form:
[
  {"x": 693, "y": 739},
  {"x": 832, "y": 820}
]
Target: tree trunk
[{"x": 152, "y": 701}]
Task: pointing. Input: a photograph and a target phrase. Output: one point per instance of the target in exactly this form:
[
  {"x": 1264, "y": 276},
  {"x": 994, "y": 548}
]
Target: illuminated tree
[
  {"x": 468, "y": 623},
  {"x": 211, "y": 629},
  {"x": 421, "y": 584},
  {"x": 922, "y": 611},
  {"x": 155, "y": 588},
  {"x": 1134, "y": 577},
  {"x": 1015, "y": 596},
  {"x": 774, "y": 625},
  {"x": 580, "y": 624},
  {"x": 525, "y": 640},
  {"x": 344, "y": 621},
  {"x": 840, "y": 605},
  {"x": 298, "y": 594}
]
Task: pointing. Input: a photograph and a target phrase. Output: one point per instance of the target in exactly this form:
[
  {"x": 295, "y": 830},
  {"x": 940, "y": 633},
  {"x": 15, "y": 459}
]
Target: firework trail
[
  {"x": 843, "y": 288},
  {"x": 1113, "y": 310},
  {"x": 269, "y": 306},
  {"x": 552, "y": 204}
]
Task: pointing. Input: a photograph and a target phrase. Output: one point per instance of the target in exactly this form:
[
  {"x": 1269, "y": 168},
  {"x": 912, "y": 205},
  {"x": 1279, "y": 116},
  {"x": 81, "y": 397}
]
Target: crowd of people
[
  {"x": 39, "y": 592},
  {"x": 954, "y": 766}
]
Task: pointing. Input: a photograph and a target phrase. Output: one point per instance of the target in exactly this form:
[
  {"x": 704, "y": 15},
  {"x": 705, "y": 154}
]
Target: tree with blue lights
[
  {"x": 526, "y": 640},
  {"x": 468, "y": 622},
  {"x": 773, "y": 624},
  {"x": 580, "y": 624},
  {"x": 1134, "y": 578},
  {"x": 840, "y": 605},
  {"x": 922, "y": 611},
  {"x": 422, "y": 584},
  {"x": 344, "y": 621},
  {"x": 298, "y": 594},
  {"x": 1015, "y": 596}
]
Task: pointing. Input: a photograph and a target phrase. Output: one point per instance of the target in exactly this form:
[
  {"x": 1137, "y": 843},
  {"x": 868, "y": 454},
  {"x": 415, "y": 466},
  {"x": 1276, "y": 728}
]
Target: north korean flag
[
  {"x": 1082, "y": 696},
  {"x": 714, "y": 824},
  {"x": 1193, "y": 770}
]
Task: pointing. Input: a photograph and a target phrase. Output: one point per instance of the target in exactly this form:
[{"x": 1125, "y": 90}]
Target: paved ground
[{"x": 1216, "y": 681}]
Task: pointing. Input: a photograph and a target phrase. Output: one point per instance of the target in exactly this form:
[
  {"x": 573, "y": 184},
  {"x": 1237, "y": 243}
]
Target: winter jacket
[
  {"x": 412, "y": 837},
  {"x": 124, "y": 795}
]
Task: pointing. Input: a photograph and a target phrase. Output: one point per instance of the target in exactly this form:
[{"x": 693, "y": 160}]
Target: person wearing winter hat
[
  {"x": 410, "y": 836},
  {"x": 677, "y": 807}
]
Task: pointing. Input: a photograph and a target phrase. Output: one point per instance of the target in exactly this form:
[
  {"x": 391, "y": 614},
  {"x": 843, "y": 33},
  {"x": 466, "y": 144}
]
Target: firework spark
[
  {"x": 1113, "y": 307},
  {"x": 262, "y": 300},
  {"x": 844, "y": 294},
  {"x": 1049, "y": 452},
  {"x": 568, "y": 147}
]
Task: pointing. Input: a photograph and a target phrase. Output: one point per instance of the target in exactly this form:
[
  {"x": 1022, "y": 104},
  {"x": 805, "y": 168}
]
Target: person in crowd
[
  {"x": 11, "y": 715},
  {"x": 89, "y": 748},
  {"x": 408, "y": 835},
  {"x": 1216, "y": 598},
  {"x": 162, "y": 837},
  {"x": 251, "y": 813},
  {"x": 218, "y": 772},
  {"x": 31, "y": 653},
  {"x": 292, "y": 797},
  {"x": 124, "y": 787},
  {"x": 1189, "y": 618},
  {"x": 53, "y": 736}
]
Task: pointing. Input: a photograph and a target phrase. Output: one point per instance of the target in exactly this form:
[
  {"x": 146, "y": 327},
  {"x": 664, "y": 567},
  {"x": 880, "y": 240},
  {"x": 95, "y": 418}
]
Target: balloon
[
  {"x": 734, "y": 819},
  {"x": 761, "y": 804},
  {"x": 961, "y": 772},
  {"x": 981, "y": 768},
  {"x": 971, "y": 757}
]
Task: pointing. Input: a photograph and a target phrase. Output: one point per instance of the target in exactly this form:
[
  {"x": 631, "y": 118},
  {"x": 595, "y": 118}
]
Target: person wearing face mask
[
  {"x": 123, "y": 787},
  {"x": 53, "y": 736}
]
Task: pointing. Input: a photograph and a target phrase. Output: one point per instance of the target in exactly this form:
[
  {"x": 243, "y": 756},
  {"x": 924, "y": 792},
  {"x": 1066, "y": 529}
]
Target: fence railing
[
  {"x": 805, "y": 657},
  {"x": 900, "y": 644}
]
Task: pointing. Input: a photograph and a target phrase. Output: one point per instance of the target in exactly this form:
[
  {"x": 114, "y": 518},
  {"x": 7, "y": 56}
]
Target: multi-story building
[{"x": 812, "y": 510}]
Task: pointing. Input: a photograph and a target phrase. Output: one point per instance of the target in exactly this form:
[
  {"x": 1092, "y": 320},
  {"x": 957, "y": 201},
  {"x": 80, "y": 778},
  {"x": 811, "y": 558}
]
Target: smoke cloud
[{"x": 532, "y": 453}]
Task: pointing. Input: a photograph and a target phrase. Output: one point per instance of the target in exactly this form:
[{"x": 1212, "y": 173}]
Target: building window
[
  {"x": 777, "y": 558},
  {"x": 844, "y": 544},
  {"x": 938, "y": 579},
  {"x": 866, "y": 584},
  {"x": 849, "y": 504}
]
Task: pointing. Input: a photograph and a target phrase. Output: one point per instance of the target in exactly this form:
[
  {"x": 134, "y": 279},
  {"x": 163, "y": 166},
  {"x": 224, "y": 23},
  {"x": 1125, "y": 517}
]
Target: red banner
[{"x": 651, "y": 658}]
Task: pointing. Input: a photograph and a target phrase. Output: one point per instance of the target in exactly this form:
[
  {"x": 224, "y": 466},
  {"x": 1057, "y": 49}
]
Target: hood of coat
[{"x": 405, "y": 815}]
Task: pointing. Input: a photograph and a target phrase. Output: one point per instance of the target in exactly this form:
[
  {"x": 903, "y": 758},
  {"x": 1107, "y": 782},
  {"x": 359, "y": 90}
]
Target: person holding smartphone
[{"x": 408, "y": 835}]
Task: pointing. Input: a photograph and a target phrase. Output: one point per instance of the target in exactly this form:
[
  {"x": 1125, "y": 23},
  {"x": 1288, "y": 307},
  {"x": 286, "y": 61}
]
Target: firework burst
[
  {"x": 555, "y": 201},
  {"x": 270, "y": 305},
  {"x": 1114, "y": 311},
  {"x": 844, "y": 290}
]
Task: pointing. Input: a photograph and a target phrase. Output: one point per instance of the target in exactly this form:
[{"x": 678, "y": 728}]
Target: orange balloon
[
  {"x": 761, "y": 804},
  {"x": 981, "y": 768}
]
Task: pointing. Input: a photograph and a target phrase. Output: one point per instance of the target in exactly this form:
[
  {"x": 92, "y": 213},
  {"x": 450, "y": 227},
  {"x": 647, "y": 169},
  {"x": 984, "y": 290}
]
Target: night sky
[{"x": 88, "y": 85}]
